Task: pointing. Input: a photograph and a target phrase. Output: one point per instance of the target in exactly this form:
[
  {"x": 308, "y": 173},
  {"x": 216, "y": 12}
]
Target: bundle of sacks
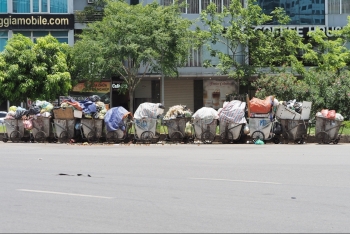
[
  {"x": 16, "y": 113},
  {"x": 41, "y": 108},
  {"x": 293, "y": 105},
  {"x": 92, "y": 107},
  {"x": 178, "y": 111},
  {"x": 263, "y": 107},
  {"x": 330, "y": 114}
]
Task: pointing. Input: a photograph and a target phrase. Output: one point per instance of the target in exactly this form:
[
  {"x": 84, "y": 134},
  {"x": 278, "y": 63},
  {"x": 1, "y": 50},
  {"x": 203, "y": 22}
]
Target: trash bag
[
  {"x": 259, "y": 142},
  {"x": 277, "y": 128},
  {"x": 261, "y": 106}
]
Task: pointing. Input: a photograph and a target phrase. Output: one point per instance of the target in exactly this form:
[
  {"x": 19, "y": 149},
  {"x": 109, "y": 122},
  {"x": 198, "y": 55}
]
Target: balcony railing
[{"x": 87, "y": 17}]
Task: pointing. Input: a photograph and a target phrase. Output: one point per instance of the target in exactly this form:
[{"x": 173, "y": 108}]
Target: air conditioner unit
[{"x": 90, "y": 1}]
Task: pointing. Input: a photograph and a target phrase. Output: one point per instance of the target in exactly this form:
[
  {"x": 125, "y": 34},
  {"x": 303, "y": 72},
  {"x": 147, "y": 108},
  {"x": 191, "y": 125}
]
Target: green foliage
[
  {"x": 325, "y": 89},
  {"x": 35, "y": 71},
  {"x": 283, "y": 86},
  {"x": 346, "y": 124},
  {"x": 130, "y": 37},
  {"x": 328, "y": 53},
  {"x": 235, "y": 28}
]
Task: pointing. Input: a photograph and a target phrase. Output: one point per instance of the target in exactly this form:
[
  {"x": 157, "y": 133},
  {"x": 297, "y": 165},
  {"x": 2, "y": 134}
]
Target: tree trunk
[{"x": 131, "y": 100}]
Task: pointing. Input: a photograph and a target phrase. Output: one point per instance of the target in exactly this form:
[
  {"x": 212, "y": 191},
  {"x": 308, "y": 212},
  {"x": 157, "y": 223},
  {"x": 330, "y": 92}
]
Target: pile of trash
[
  {"x": 330, "y": 114},
  {"x": 91, "y": 107},
  {"x": 263, "y": 108},
  {"x": 16, "y": 113},
  {"x": 178, "y": 111},
  {"x": 293, "y": 105}
]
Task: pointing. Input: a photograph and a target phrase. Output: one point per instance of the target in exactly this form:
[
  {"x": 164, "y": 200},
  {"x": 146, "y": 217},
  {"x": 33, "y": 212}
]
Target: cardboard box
[
  {"x": 78, "y": 114},
  {"x": 63, "y": 113}
]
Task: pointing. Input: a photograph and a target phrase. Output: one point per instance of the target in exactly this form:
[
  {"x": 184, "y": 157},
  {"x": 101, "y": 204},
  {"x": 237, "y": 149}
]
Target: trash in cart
[
  {"x": 146, "y": 118},
  {"x": 232, "y": 121},
  {"x": 118, "y": 122},
  {"x": 205, "y": 122},
  {"x": 294, "y": 118},
  {"x": 175, "y": 120},
  {"x": 329, "y": 126}
]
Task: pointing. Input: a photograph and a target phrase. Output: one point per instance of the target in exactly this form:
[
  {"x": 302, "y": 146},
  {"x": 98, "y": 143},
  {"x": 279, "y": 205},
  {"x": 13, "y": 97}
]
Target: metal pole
[{"x": 162, "y": 90}]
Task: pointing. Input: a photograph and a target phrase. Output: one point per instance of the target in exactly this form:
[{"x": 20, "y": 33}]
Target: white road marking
[
  {"x": 242, "y": 181},
  {"x": 59, "y": 193}
]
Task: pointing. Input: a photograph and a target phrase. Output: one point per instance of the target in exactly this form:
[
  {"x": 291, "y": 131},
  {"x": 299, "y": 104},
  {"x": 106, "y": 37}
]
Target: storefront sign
[
  {"x": 215, "y": 91},
  {"x": 37, "y": 21},
  {"x": 301, "y": 30},
  {"x": 99, "y": 87}
]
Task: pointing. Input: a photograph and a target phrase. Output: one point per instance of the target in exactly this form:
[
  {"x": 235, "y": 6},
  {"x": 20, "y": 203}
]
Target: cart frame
[
  {"x": 296, "y": 130},
  {"x": 113, "y": 136},
  {"x": 207, "y": 136},
  {"x": 16, "y": 135},
  {"x": 39, "y": 133},
  {"x": 227, "y": 135},
  {"x": 147, "y": 136},
  {"x": 260, "y": 132},
  {"x": 65, "y": 135},
  {"x": 93, "y": 135},
  {"x": 323, "y": 135},
  {"x": 177, "y": 133}
]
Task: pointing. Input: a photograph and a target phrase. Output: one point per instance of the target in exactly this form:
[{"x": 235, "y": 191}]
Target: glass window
[
  {"x": 3, "y": 40},
  {"x": 21, "y": 6},
  {"x": 24, "y": 33},
  {"x": 24, "y": 6},
  {"x": 58, "y": 6},
  {"x": 334, "y": 6},
  {"x": 193, "y": 7},
  {"x": 345, "y": 7},
  {"x": 61, "y": 36},
  {"x": 3, "y": 6}
]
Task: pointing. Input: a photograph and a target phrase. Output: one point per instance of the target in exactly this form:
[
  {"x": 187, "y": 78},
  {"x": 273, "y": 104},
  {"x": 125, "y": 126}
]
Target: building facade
[{"x": 196, "y": 86}]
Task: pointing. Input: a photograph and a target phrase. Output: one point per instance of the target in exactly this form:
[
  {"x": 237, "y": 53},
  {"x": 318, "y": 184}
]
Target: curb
[{"x": 246, "y": 139}]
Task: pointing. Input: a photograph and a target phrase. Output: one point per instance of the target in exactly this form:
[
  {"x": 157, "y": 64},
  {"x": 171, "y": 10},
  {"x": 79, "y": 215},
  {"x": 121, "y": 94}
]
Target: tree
[
  {"x": 130, "y": 38},
  {"x": 34, "y": 70},
  {"x": 327, "y": 53},
  {"x": 236, "y": 29}
]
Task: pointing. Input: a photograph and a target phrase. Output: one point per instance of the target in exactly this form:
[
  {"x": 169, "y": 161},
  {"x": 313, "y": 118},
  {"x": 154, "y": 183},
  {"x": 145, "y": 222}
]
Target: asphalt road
[{"x": 174, "y": 188}]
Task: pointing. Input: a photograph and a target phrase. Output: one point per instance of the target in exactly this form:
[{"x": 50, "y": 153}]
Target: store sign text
[
  {"x": 301, "y": 30},
  {"x": 38, "y": 21}
]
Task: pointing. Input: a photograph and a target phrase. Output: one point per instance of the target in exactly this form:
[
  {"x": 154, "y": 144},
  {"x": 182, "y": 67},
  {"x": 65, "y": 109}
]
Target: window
[
  {"x": 3, "y": 6},
  {"x": 205, "y": 4},
  {"x": 309, "y": 6},
  {"x": 38, "y": 6},
  {"x": 193, "y": 7},
  {"x": 195, "y": 58},
  {"x": 334, "y": 6},
  {"x": 197, "y": 6},
  {"x": 345, "y": 6},
  {"x": 3, "y": 40},
  {"x": 61, "y": 36}
]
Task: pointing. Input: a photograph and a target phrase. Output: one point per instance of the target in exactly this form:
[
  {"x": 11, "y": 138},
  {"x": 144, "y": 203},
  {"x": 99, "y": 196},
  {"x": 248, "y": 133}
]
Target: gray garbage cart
[
  {"x": 328, "y": 130},
  {"x": 15, "y": 131}
]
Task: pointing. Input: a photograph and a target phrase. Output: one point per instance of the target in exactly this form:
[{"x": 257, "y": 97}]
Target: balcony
[{"x": 87, "y": 17}]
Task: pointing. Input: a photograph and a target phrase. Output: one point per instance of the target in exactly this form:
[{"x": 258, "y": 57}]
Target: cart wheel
[
  {"x": 276, "y": 140},
  {"x": 63, "y": 137},
  {"x": 40, "y": 137},
  {"x": 207, "y": 137},
  {"x": 258, "y": 135},
  {"x": 336, "y": 141},
  {"x": 176, "y": 136},
  {"x": 147, "y": 136},
  {"x": 322, "y": 138},
  {"x": 226, "y": 137},
  {"x": 15, "y": 136},
  {"x": 111, "y": 137},
  {"x": 5, "y": 140},
  {"x": 91, "y": 137}
]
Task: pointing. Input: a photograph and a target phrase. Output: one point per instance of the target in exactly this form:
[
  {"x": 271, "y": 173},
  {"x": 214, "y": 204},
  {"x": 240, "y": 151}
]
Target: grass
[{"x": 2, "y": 128}]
